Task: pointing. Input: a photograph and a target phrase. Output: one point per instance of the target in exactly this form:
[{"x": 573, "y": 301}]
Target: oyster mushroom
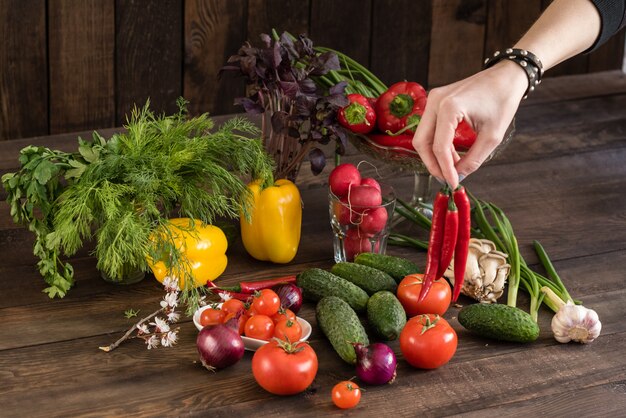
[{"x": 485, "y": 273}]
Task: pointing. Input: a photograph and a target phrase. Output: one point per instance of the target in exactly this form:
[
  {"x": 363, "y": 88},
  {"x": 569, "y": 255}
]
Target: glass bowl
[{"x": 410, "y": 160}]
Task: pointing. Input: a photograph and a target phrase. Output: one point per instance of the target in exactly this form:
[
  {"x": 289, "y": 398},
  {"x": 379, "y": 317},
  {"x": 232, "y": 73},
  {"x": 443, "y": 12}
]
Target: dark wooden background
[{"x": 69, "y": 65}]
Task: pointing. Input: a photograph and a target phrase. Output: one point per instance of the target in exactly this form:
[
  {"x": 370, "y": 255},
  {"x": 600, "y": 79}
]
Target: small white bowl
[{"x": 252, "y": 344}]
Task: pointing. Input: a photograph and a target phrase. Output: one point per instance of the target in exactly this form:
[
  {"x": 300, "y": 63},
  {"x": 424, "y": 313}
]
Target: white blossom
[
  {"x": 152, "y": 342},
  {"x": 225, "y": 296},
  {"x": 173, "y": 317},
  {"x": 169, "y": 339},
  {"x": 160, "y": 324},
  {"x": 170, "y": 300},
  {"x": 171, "y": 284},
  {"x": 143, "y": 329}
]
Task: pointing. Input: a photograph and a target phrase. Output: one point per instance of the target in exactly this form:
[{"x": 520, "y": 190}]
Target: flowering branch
[{"x": 161, "y": 332}]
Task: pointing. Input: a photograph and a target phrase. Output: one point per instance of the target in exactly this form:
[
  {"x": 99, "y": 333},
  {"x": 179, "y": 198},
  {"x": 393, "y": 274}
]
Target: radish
[
  {"x": 373, "y": 221},
  {"x": 368, "y": 181},
  {"x": 344, "y": 215},
  {"x": 363, "y": 197},
  {"x": 342, "y": 178},
  {"x": 356, "y": 243}
]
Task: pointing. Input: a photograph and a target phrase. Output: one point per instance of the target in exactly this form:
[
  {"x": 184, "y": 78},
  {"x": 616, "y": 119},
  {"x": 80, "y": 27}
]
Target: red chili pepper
[
  {"x": 401, "y": 105},
  {"x": 400, "y": 141},
  {"x": 462, "y": 243},
  {"x": 251, "y": 287},
  {"x": 449, "y": 238},
  {"x": 464, "y": 136},
  {"x": 227, "y": 294},
  {"x": 359, "y": 116},
  {"x": 435, "y": 242}
]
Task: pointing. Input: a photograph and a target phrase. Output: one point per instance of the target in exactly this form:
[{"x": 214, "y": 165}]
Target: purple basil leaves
[{"x": 281, "y": 79}]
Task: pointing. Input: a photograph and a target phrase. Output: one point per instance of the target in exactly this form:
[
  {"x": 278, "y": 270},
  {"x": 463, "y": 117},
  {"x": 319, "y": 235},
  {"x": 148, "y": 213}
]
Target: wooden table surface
[{"x": 561, "y": 181}]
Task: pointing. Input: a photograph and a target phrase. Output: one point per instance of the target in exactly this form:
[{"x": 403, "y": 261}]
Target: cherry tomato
[
  {"x": 260, "y": 327},
  {"x": 243, "y": 318},
  {"x": 232, "y": 306},
  {"x": 212, "y": 316},
  {"x": 282, "y": 314},
  {"x": 284, "y": 369},
  {"x": 436, "y": 301},
  {"x": 346, "y": 394},
  {"x": 266, "y": 302},
  {"x": 251, "y": 311},
  {"x": 288, "y": 329},
  {"x": 428, "y": 341}
]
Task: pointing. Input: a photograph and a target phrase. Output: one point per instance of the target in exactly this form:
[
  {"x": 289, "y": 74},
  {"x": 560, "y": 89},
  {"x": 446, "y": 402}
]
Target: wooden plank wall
[{"x": 67, "y": 66}]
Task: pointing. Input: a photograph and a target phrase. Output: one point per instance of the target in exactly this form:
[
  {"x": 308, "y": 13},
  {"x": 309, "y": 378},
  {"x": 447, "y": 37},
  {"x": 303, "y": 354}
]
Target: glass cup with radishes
[{"x": 360, "y": 211}]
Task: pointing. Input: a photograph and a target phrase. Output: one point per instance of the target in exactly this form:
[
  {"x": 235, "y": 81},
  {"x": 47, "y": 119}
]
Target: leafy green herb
[
  {"x": 131, "y": 313},
  {"x": 119, "y": 191}
]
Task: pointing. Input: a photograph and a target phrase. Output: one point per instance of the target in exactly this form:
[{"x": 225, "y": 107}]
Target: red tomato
[
  {"x": 260, "y": 327},
  {"x": 233, "y": 306},
  {"x": 288, "y": 329},
  {"x": 428, "y": 341},
  {"x": 282, "y": 314},
  {"x": 284, "y": 369},
  {"x": 212, "y": 316},
  {"x": 266, "y": 302},
  {"x": 346, "y": 394},
  {"x": 436, "y": 301}
]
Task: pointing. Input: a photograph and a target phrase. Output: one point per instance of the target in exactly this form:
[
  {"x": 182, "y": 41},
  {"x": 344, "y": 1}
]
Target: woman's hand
[{"x": 487, "y": 101}]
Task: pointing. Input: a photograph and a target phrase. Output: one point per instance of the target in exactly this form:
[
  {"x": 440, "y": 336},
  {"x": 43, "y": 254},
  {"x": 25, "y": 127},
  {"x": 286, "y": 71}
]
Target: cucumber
[
  {"x": 385, "y": 315},
  {"x": 341, "y": 325},
  {"x": 317, "y": 283},
  {"x": 367, "y": 278},
  {"x": 500, "y": 322},
  {"x": 396, "y": 267}
]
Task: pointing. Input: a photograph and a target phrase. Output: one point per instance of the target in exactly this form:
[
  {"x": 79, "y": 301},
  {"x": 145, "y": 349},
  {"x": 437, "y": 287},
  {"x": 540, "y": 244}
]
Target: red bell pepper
[
  {"x": 359, "y": 116},
  {"x": 401, "y": 105},
  {"x": 464, "y": 136}
]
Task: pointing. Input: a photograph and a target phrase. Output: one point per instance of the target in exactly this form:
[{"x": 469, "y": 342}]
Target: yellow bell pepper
[
  {"x": 203, "y": 250},
  {"x": 273, "y": 232}
]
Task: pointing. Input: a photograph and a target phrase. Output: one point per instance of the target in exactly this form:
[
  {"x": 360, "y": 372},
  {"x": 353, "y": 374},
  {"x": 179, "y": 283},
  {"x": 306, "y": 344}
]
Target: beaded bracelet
[{"x": 525, "y": 59}]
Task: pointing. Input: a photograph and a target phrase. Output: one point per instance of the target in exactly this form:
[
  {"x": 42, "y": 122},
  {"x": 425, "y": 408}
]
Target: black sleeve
[{"x": 612, "y": 14}]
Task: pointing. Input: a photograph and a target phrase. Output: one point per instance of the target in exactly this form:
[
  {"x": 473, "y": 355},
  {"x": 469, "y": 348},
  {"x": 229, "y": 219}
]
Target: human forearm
[{"x": 566, "y": 28}]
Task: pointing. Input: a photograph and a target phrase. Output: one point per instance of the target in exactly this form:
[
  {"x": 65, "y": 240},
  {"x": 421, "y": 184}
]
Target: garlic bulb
[
  {"x": 575, "y": 323},
  {"x": 485, "y": 273}
]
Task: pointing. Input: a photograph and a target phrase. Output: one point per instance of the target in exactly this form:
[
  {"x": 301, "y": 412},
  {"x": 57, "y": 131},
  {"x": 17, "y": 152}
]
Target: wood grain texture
[
  {"x": 570, "y": 201},
  {"x": 214, "y": 30},
  {"x": 507, "y": 21},
  {"x": 344, "y": 26},
  {"x": 400, "y": 46},
  {"x": 148, "y": 55},
  {"x": 23, "y": 69},
  {"x": 283, "y": 15},
  {"x": 81, "y": 45},
  {"x": 608, "y": 400},
  {"x": 457, "y": 40},
  {"x": 609, "y": 56}
]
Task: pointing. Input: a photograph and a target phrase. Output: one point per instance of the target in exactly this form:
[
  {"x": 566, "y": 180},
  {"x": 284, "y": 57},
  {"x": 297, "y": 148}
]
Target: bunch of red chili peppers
[{"x": 449, "y": 236}]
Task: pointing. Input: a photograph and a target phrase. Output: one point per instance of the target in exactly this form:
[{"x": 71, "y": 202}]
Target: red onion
[
  {"x": 290, "y": 296},
  {"x": 220, "y": 345},
  {"x": 375, "y": 363}
]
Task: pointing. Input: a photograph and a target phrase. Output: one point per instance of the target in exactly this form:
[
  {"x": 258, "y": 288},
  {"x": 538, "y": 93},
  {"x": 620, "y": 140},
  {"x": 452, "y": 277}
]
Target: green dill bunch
[{"x": 126, "y": 187}]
